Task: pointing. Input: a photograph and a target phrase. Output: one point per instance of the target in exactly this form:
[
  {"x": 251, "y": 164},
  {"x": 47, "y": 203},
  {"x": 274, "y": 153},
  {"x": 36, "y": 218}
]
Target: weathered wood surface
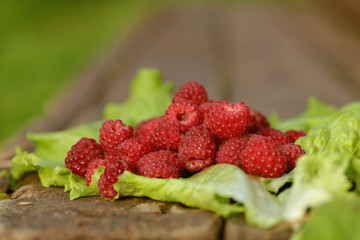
[{"x": 271, "y": 57}]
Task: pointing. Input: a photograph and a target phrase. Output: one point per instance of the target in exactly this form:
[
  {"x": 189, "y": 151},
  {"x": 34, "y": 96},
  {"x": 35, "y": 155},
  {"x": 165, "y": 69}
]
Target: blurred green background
[{"x": 44, "y": 44}]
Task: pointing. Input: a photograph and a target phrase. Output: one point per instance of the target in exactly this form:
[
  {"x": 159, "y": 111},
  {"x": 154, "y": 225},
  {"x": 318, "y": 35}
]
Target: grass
[{"x": 44, "y": 44}]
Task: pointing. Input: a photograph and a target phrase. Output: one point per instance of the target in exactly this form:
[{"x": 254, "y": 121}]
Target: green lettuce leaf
[
  {"x": 149, "y": 97},
  {"x": 57, "y": 176},
  {"x": 329, "y": 167},
  {"x": 78, "y": 188},
  {"x": 316, "y": 115},
  {"x": 211, "y": 189},
  {"x": 22, "y": 163},
  {"x": 315, "y": 140},
  {"x": 317, "y": 179},
  {"x": 275, "y": 184},
  {"x": 337, "y": 219},
  {"x": 52, "y": 147},
  {"x": 51, "y": 150}
]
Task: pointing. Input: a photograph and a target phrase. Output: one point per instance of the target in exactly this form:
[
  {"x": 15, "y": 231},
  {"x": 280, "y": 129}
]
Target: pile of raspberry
[{"x": 193, "y": 134}]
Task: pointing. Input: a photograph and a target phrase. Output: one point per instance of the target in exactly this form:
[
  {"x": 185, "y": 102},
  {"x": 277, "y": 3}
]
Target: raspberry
[
  {"x": 81, "y": 154},
  {"x": 92, "y": 166},
  {"x": 197, "y": 144},
  {"x": 145, "y": 128},
  {"x": 111, "y": 176},
  {"x": 230, "y": 151},
  {"x": 204, "y": 109},
  {"x": 111, "y": 157},
  {"x": 257, "y": 122},
  {"x": 262, "y": 157},
  {"x": 227, "y": 120},
  {"x": 277, "y": 136},
  {"x": 185, "y": 113},
  {"x": 168, "y": 155},
  {"x": 259, "y": 140},
  {"x": 133, "y": 149},
  {"x": 293, "y": 135},
  {"x": 113, "y": 133},
  {"x": 191, "y": 91},
  {"x": 292, "y": 153},
  {"x": 166, "y": 137},
  {"x": 159, "y": 168},
  {"x": 198, "y": 165}
]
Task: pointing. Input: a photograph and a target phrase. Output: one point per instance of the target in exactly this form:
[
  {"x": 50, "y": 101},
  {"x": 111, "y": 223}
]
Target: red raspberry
[
  {"x": 185, "y": 113},
  {"x": 257, "y": 122},
  {"x": 227, "y": 120},
  {"x": 259, "y": 139},
  {"x": 168, "y": 155},
  {"x": 277, "y": 136},
  {"x": 293, "y": 135},
  {"x": 113, "y": 133},
  {"x": 81, "y": 154},
  {"x": 133, "y": 149},
  {"x": 159, "y": 168},
  {"x": 166, "y": 136},
  {"x": 145, "y": 128},
  {"x": 191, "y": 91},
  {"x": 292, "y": 153},
  {"x": 92, "y": 166},
  {"x": 219, "y": 141},
  {"x": 111, "y": 176},
  {"x": 205, "y": 108},
  {"x": 197, "y": 144},
  {"x": 262, "y": 157},
  {"x": 230, "y": 151},
  {"x": 111, "y": 157},
  {"x": 198, "y": 165}
]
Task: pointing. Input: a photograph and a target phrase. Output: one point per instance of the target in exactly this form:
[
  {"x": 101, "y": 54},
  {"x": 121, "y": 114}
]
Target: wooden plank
[
  {"x": 237, "y": 228},
  {"x": 35, "y": 212}
]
